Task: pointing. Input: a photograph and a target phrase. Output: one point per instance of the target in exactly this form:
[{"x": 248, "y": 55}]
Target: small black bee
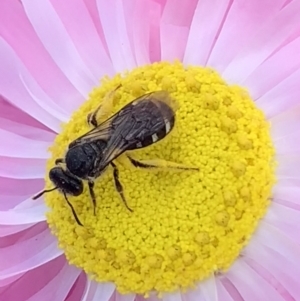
[{"x": 142, "y": 122}]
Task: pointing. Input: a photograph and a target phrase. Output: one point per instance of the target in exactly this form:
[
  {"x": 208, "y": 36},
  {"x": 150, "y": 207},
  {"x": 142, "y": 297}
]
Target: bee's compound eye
[{"x": 65, "y": 181}]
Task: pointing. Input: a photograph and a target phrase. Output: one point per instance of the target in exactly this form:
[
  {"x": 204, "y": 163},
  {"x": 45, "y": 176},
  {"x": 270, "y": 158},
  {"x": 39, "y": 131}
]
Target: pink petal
[
  {"x": 205, "y": 291},
  {"x": 268, "y": 73},
  {"x": 174, "y": 28},
  {"x": 282, "y": 97},
  {"x": 223, "y": 294},
  {"x": 7, "y": 281},
  {"x": 250, "y": 284},
  {"x": 285, "y": 219},
  {"x": 40, "y": 277},
  {"x": 27, "y": 46},
  {"x": 21, "y": 129},
  {"x": 81, "y": 29},
  {"x": 25, "y": 187},
  {"x": 78, "y": 288},
  {"x": 278, "y": 241},
  {"x": 11, "y": 113},
  {"x": 116, "y": 34},
  {"x": 290, "y": 194},
  {"x": 58, "y": 43},
  {"x": 99, "y": 291},
  {"x": 19, "y": 168},
  {"x": 128, "y": 297},
  {"x": 33, "y": 214},
  {"x": 27, "y": 254},
  {"x": 205, "y": 28},
  {"x": 288, "y": 166},
  {"x": 145, "y": 15},
  {"x": 276, "y": 269},
  {"x": 13, "y": 76},
  {"x": 260, "y": 46},
  {"x": 9, "y": 230},
  {"x": 172, "y": 297},
  {"x": 230, "y": 288},
  {"x": 242, "y": 22},
  {"x": 14, "y": 146}
]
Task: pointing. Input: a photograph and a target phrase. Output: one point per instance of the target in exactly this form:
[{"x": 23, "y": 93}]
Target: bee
[{"x": 141, "y": 123}]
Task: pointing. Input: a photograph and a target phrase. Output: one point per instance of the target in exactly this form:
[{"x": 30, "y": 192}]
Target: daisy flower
[{"x": 228, "y": 231}]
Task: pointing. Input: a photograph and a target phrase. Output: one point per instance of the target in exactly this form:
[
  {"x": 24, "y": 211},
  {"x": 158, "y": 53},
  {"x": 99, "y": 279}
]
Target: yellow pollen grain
[{"x": 184, "y": 225}]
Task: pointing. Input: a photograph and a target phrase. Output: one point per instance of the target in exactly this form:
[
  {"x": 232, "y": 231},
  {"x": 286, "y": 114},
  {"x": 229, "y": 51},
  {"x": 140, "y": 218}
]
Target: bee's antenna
[
  {"x": 41, "y": 193},
  {"x": 73, "y": 211}
]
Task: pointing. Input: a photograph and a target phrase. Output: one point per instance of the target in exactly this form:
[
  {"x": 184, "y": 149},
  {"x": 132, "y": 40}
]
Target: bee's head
[{"x": 65, "y": 181}]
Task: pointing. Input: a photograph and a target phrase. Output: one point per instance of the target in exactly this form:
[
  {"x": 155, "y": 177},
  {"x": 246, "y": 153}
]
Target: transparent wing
[{"x": 137, "y": 122}]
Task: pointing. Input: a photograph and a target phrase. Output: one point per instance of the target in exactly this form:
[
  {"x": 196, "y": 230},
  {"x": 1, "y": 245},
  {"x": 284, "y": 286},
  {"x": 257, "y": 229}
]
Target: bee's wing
[
  {"x": 135, "y": 121},
  {"x": 101, "y": 132}
]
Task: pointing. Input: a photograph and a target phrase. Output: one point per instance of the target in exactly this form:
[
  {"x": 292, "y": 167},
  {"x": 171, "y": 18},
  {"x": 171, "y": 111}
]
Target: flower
[{"x": 52, "y": 56}]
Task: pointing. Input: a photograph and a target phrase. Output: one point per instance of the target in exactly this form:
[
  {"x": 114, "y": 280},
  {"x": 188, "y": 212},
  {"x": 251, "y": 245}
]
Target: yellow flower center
[{"x": 185, "y": 225}]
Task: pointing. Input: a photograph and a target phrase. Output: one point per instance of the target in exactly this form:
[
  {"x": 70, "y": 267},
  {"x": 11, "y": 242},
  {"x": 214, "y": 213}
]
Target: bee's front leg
[
  {"x": 92, "y": 194},
  {"x": 59, "y": 161}
]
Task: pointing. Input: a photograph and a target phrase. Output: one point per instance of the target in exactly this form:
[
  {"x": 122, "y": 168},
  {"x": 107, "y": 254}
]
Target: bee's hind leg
[
  {"x": 119, "y": 186},
  {"x": 159, "y": 164},
  {"x": 104, "y": 110}
]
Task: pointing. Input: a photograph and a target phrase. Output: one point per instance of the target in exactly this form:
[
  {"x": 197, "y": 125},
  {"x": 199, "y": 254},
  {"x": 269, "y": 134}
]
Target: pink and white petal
[
  {"x": 20, "y": 168},
  {"x": 23, "y": 254},
  {"x": 223, "y": 294},
  {"x": 81, "y": 29},
  {"x": 244, "y": 19},
  {"x": 128, "y": 297},
  {"x": 12, "y": 229},
  {"x": 22, "y": 216},
  {"x": 250, "y": 284},
  {"x": 285, "y": 122},
  {"x": 116, "y": 34},
  {"x": 285, "y": 219},
  {"x": 289, "y": 166},
  {"x": 276, "y": 269},
  {"x": 288, "y": 194},
  {"x": 172, "y": 297},
  {"x": 8, "y": 281},
  {"x": 18, "y": 86},
  {"x": 145, "y": 15},
  {"x": 174, "y": 28},
  {"x": 272, "y": 71},
  {"x": 204, "y": 31},
  {"x": 42, "y": 277},
  {"x": 275, "y": 239},
  {"x": 16, "y": 29},
  {"x": 16, "y": 146},
  {"x": 24, "y": 130},
  {"x": 78, "y": 288},
  {"x": 58, "y": 43},
  {"x": 282, "y": 97},
  {"x": 25, "y": 187},
  {"x": 261, "y": 45},
  {"x": 231, "y": 289},
  {"x": 13, "y": 114},
  {"x": 98, "y": 291}
]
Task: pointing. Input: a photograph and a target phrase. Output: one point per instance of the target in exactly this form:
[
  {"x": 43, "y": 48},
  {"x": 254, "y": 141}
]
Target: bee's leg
[
  {"x": 73, "y": 211},
  {"x": 92, "y": 194},
  {"x": 59, "y": 161},
  {"x": 104, "y": 109},
  {"x": 119, "y": 186},
  {"x": 159, "y": 164}
]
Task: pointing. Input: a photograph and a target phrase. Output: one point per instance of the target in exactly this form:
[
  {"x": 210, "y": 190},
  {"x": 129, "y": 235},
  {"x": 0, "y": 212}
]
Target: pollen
[{"x": 185, "y": 225}]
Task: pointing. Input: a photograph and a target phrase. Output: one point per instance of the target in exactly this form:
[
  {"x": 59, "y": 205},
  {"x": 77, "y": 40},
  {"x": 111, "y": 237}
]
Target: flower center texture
[{"x": 185, "y": 225}]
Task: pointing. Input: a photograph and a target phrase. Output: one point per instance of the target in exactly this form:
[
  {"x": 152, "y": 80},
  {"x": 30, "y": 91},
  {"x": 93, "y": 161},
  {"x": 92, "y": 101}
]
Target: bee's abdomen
[{"x": 151, "y": 138}]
